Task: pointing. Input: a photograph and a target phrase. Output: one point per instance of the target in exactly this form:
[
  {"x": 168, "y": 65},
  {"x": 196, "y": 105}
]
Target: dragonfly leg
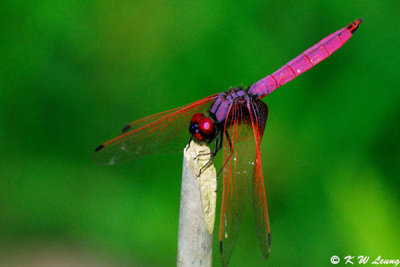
[
  {"x": 190, "y": 140},
  {"x": 217, "y": 147},
  {"x": 207, "y": 164},
  {"x": 230, "y": 154},
  {"x": 229, "y": 157}
]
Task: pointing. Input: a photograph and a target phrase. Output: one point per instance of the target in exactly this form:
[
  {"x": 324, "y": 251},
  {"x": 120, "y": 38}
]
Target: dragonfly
[{"x": 234, "y": 121}]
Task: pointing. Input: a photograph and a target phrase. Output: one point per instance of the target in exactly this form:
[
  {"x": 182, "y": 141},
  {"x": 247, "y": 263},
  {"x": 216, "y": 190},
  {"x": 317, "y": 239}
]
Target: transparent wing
[
  {"x": 258, "y": 117},
  {"x": 238, "y": 158},
  {"x": 159, "y": 133}
]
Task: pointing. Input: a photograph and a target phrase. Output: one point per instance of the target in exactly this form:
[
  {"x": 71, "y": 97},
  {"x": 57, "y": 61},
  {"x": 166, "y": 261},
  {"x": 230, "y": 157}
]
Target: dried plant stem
[{"x": 197, "y": 208}]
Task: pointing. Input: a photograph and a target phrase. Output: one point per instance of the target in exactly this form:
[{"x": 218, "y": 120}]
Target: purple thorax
[{"x": 222, "y": 104}]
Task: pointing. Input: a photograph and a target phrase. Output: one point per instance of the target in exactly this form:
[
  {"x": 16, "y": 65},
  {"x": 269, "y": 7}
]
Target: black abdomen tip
[
  {"x": 98, "y": 148},
  {"x": 126, "y": 128},
  {"x": 352, "y": 27}
]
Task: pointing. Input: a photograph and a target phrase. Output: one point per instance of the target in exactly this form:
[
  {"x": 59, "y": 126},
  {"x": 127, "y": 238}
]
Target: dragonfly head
[{"x": 201, "y": 127}]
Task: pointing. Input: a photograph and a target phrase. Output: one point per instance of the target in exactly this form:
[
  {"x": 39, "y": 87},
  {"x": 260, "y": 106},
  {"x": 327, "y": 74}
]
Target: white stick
[{"x": 197, "y": 208}]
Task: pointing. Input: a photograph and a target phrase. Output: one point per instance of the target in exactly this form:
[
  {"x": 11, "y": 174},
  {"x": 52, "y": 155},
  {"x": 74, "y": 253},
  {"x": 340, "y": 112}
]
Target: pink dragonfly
[{"x": 235, "y": 121}]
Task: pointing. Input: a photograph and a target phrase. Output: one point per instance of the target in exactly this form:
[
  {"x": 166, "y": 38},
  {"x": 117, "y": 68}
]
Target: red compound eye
[
  {"x": 206, "y": 126},
  {"x": 196, "y": 117},
  {"x": 198, "y": 136},
  {"x": 202, "y": 127}
]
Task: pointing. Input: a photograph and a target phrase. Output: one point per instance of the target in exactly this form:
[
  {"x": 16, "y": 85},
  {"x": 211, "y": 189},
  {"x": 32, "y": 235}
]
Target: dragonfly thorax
[
  {"x": 220, "y": 108},
  {"x": 240, "y": 105}
]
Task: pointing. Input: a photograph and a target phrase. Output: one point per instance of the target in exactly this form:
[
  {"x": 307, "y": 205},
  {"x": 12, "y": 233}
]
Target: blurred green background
[{"x": 73, "y": 73}]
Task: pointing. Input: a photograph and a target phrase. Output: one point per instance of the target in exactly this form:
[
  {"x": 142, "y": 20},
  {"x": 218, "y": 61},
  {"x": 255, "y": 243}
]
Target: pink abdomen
[{"x": 305, "y": 60}]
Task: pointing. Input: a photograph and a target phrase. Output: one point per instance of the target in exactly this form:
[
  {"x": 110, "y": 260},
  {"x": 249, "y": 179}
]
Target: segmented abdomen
[{"x": 305, "y": 60}]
